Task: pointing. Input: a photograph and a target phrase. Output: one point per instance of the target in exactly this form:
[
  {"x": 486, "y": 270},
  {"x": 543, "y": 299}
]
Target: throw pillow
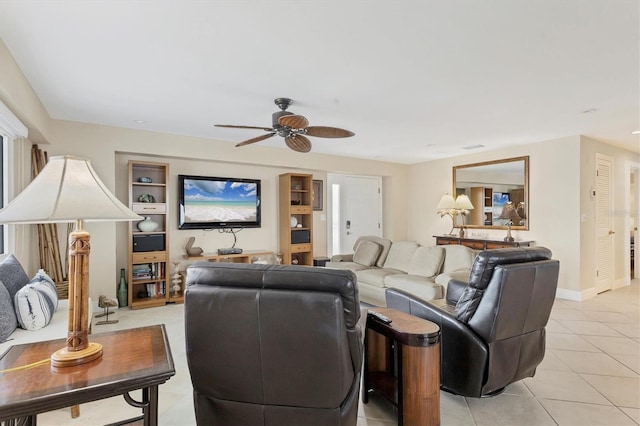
[
  {"x": 12, "y": 275},
  {"x": 8, "y": 321},
  {"x": 367, "y": 253},
  {"x": 36, "y": 302}
]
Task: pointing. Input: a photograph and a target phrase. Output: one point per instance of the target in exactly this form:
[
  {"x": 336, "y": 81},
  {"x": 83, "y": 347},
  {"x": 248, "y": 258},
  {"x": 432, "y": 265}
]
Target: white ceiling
[{"x": 415, "y": 80}]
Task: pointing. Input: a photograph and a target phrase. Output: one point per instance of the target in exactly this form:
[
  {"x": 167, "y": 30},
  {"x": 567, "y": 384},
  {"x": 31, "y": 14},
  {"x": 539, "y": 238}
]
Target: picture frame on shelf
[{"x": 317, "y": 195}]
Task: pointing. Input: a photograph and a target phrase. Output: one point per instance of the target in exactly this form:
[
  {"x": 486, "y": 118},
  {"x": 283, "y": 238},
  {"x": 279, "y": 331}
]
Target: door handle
[{"x": 612, "y": 232}]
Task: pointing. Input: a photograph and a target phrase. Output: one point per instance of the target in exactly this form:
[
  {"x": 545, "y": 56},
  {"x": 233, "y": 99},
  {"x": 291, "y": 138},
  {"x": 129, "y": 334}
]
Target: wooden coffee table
[{"x": 138, "y": 358}]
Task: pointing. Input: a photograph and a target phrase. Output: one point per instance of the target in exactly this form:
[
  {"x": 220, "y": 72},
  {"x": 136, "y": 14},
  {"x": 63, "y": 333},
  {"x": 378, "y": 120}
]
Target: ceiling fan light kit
[{"x": 292, "y": 128}]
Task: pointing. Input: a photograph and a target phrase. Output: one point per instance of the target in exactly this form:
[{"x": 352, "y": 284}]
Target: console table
[
  {"x": 244, "y": 257},
  {"x": 138, "y": 358},
  {"x": 402, "y": 363},
  {"x": 479, "y": 243}
]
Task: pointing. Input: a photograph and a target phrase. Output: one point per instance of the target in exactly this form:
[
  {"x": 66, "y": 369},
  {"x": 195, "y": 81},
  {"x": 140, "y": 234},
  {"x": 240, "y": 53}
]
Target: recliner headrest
[
  {"x": 486, "y": 261},
  {"x": 284, "y": 277}
]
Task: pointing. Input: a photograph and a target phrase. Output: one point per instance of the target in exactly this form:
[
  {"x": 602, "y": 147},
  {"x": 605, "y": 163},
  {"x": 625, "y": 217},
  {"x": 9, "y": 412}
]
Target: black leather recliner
[
  {"x": 273, "y": 344},
  {"x": 493, "y": 328}
]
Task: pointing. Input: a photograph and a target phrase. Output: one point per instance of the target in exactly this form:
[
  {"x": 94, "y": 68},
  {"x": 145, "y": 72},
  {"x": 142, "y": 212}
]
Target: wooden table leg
[{"x": 75, "y": 411}]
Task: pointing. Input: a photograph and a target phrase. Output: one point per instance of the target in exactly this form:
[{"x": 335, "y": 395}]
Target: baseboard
[
  {"x": 625, "y": 282},
  {"x": 578, "y": 296}
]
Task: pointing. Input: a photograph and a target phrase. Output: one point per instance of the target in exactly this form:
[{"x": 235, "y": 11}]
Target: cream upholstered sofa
[{"x": 423, "y": 271}]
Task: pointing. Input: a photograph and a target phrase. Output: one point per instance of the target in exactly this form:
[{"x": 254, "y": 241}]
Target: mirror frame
[{"x": 525, "y": 158}]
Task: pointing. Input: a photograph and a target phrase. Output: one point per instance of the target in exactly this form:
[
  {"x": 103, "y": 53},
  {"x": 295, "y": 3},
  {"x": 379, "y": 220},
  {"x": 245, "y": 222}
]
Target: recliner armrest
[
  {"x": 455, "y": 289},
  {"x": 342, "y": 258},
  {"x": 464, "y": 374}
]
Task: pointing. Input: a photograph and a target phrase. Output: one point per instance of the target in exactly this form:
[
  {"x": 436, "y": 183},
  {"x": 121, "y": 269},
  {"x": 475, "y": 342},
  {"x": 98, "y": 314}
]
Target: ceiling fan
[{"x": 293, "y": 128}]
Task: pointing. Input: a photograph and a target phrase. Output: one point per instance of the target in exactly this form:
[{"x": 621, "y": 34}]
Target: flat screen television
[{"x": 218, "y": 202}]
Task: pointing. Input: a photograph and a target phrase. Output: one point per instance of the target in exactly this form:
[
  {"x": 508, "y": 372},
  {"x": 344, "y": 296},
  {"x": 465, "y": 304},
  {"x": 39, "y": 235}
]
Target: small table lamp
[
  {"x": 447, "y": 207},
  {"x": 511, "y": 215},
  {"x": 463, "y": 204},
  {"x": 69, "y": 190},
  {"x": 450, "y": 207}
]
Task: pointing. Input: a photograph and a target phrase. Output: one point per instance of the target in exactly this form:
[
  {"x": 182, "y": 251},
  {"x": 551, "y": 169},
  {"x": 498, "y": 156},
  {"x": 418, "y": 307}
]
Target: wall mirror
[{"x": 498, "y": 190}]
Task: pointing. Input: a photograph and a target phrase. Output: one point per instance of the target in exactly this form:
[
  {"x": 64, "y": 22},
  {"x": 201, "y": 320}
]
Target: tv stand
[
  {"x": 245, "y": 257},
  {"x": 229, "y": 250}
]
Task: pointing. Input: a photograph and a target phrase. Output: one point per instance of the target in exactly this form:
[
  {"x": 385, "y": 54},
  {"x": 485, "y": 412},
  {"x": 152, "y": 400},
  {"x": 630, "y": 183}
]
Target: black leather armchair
[
  {"x": 493, "y": 328},
  {"x": 273, "y": 344}
]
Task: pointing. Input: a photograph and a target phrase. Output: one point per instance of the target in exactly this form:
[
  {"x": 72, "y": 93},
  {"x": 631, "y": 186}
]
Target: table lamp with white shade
[
  {"x": 448, "y": 206},
  {"x": 69, "y": 190}
]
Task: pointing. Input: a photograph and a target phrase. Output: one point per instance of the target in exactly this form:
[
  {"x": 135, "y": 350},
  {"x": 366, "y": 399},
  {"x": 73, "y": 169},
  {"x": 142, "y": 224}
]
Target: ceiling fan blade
[
  {"x": 256, "y": 139},
  {"x": 268, "y": 129},
  {"x": 293, "y": 121},
  {"x": 328, "y": 132},
  {"x": 298, "y": 143}
]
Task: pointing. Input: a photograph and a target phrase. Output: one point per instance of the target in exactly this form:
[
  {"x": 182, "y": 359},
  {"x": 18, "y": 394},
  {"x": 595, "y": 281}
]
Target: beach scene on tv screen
[{"x": 219, "y": 201}]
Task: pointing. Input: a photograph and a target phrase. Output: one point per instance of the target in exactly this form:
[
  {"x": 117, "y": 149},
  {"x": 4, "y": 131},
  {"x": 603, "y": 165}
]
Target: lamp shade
[
  {"x": 509, "y": 213},
  {"x": 66, "y": 190},
  {"x": 446, "y": 202},
  {"x": 463, "y": 202}
]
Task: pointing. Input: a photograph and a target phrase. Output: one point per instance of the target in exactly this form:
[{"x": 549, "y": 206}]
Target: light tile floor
[{"x": 590, "y": 374}]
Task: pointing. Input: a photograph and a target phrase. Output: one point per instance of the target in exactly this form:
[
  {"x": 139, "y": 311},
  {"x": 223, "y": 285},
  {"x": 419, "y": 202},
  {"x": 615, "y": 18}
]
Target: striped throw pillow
[{"x": 36, "y": 302}]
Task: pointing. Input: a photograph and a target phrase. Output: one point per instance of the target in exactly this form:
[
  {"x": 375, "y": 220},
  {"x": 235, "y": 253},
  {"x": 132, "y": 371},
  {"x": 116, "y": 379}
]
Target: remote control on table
[{"x": 379, "y": 317}]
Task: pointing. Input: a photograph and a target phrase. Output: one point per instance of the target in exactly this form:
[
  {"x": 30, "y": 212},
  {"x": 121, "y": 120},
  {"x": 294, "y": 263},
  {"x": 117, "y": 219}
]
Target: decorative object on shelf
[
  {"x": 147, "y": 198},
  {"x": 295, "y": 202},
  {"x": 68, "y": 189},
  {"x": 145, "y": 179},
  {"x": 294, "y": 222},
  {"x": 192, "y": 251},
  {"x": 105, "y": 304},
  {"x": 452, "y": 208},
  {"x": 294, "y": 259},
  {"x": 147, "y": 225},
  {"x": 176, "y": 279},
  {"x": 122, "y": 290},
  {"x": 461, "y": 232}
]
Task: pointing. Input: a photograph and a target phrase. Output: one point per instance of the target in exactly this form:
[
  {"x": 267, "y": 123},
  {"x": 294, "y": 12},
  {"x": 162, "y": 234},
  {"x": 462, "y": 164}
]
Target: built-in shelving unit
[
  {"x": 149, "y": 272},
  {"x": 296, "y": 218}
]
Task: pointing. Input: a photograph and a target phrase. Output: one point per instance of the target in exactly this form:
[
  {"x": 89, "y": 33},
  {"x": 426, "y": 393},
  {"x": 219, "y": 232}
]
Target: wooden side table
[
  {"x": 138, "y": 358},
  {"x": 402, "y": 363}
]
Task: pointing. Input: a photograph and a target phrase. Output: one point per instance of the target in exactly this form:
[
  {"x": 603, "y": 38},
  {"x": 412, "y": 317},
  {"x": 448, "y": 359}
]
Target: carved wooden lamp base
[
  {"x": 66, "y": 358},
  {"x": 78, "y": 350}
]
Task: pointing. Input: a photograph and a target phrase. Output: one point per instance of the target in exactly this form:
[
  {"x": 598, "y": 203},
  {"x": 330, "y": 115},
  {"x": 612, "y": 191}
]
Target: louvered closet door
[{"x": 604, "y": 223}]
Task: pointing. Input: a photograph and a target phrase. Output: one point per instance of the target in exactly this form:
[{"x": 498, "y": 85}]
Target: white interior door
[
  {"x": 604, "y": 223},
  {"x": 355, "y": 203}
]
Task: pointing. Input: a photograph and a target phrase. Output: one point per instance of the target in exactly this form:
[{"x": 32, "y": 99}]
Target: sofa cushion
[
  {"x": 420, "y": 286},
  {"x": 12, "y": 275},
  {"x": 426, "y": 261},
  {"x": 8, "y": 321},
  {"x": 36, "y": 302},
  {"x": 384, "y": 243},
  {"x": 367, "y": 253},
  {"x": 353, "y": 266},
  {"x": 400, "y": 255},
  {"x": 375, "y": 276},
  {"x": 457, "y": 258},
  {"x": 462, "y": 275}
]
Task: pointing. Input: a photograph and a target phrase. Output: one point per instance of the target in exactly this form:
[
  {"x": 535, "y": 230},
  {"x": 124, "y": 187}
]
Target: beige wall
[{"x": 554, "y": 171}]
